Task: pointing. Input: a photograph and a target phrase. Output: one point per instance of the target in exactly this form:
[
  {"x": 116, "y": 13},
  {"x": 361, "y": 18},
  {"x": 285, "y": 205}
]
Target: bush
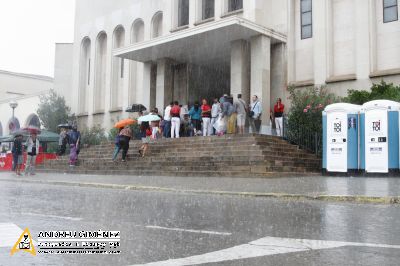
[
  {"x": 93, "y": 136},
  {"x": 381, "y": 91},
  {"x": 307, "y": 107}
]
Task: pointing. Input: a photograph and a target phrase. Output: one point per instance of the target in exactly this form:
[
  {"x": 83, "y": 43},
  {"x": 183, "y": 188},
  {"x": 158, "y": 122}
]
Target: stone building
[
  {"x": 24, "y": 91},
  {"x": 155, "y": 51}
]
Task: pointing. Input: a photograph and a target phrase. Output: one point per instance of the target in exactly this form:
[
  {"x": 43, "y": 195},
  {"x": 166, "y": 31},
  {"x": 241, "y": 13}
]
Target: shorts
[
  {"x": 20, "y": 159},
  {"x": 241, "y": 120},
  {"x": 146, "y": 140}
]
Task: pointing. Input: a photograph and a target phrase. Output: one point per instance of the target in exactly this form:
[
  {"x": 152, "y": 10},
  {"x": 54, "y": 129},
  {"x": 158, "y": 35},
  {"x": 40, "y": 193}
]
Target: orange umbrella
[{"x": 125, "y": 122}]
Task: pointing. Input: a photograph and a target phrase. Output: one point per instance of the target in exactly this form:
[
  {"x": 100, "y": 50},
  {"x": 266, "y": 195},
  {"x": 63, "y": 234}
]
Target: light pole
[{"x": 13, "y": 105}]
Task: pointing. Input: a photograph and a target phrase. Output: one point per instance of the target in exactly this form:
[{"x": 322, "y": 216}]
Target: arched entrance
[
  {"x": 13, "y": 125},
  {"x": 32, "y": 121}
]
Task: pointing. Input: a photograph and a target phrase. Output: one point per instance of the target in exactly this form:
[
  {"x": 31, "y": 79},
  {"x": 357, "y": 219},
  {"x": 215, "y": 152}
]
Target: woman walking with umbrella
[
  {"x": 124, "y": 136},
  {"x": 146, "y": 131}
]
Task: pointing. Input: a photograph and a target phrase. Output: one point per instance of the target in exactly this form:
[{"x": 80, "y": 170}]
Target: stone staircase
[{"x": 230, "y": 155}]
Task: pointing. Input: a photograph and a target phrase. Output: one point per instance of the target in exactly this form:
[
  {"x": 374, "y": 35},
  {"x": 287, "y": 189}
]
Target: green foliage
[
  {"x": 307, "y": 107},
  {"x": 53, "y": 111},
  {"x": 381, "y": 91},
  {"x": 93, "y": 136},
  {"x": 52, "y": 147},
  {"x": 112, "y": 133}
]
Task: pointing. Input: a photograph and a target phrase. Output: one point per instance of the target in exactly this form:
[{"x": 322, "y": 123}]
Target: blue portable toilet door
[
  {"x": 336, "y": 157},
  {"x": 376, "y": 141}
]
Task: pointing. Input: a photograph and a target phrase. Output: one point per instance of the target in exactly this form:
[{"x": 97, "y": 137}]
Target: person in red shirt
[
  {"x": 175, "y": 120},
  {"x": 206, "y": 116},
  {"x": 279, "y": 108}
]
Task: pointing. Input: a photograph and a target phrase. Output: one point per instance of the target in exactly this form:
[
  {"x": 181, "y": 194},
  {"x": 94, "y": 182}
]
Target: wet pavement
[
  {"x": 310, "y": 185},
  {"x": 157, "y": 226}
]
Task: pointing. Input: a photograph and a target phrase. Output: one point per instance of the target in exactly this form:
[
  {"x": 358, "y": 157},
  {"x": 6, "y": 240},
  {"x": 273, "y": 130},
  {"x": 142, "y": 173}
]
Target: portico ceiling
[{"x": 204, "y": 44}]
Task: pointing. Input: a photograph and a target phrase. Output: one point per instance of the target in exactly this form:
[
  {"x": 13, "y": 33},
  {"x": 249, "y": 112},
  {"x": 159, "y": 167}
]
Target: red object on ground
[{"x": 7, "y": 159}]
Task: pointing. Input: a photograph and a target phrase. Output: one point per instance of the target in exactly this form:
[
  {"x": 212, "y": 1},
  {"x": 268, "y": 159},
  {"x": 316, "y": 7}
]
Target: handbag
[{"x": 251, "y": 113}]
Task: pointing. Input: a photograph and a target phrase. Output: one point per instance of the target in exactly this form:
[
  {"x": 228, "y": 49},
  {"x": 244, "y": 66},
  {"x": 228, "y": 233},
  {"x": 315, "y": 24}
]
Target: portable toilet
[
  {"x": 379, "y": 136},
  {"x": 340, "y": 123}
]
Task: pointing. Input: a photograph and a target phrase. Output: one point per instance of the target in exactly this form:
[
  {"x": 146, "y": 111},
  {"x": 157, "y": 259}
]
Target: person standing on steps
[
  {"x": 195, "y": 116},
  {"x": 240, "y": 110},
  {"x": 125, "y": 137},
  {"x": 175, "y": 120},
  {"x": 206, "y": 116},
  {"x": 74, "y": 138},
  {"x": 167, "y": 121},
  {"x": 255, "y": 112},
  {"x": 279, "y": 108},
  {"x": 32, "y": 148},
  {"x": 215, "y": 112}
]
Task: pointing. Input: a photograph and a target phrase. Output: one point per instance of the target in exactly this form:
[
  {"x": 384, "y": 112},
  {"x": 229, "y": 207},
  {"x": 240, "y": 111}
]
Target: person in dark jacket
[
  {"x": 17, "y": 151},
  {"x": 74, "y": 138}
]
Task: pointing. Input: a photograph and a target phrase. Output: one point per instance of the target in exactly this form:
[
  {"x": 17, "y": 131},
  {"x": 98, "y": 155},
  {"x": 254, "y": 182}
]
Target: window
[
  {"x": 183, "y": 18},
  {"x": 390, "y": 11},
  {"x": 235, "y": 5},
  {"x": 208, "y": 9},
  {"x": 306, "y": 19}
]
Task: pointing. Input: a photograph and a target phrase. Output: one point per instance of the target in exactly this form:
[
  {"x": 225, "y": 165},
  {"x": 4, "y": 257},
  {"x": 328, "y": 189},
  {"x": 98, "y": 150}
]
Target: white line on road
[
  {"x": 188, "y": 230},
  {"x": 264, "y": 247},
  {"x": 54, "y": 216},
  {"x": 9, "y": 234}
]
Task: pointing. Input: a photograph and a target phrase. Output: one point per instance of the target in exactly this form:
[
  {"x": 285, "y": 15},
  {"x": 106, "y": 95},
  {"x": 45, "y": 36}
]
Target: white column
[
  {"x": 192, "y": 12},
  {"x": 164, "y": 83},
  {"x": 291, "y": 41},
  {"x": 319, "y": 36},
  {"x": 145, "y": 95},
  {"x": 373, "y": 41},
  {"x": 240, "y": 66},
  {"x": 261, "y": 75},
  {"x": 363, "y": 35}
]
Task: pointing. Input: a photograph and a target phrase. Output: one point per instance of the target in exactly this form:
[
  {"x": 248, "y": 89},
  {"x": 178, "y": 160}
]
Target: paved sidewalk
[{"x": 362, "y": 189}]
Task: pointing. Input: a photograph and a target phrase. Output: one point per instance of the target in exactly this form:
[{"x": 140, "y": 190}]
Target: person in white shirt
[
  {"x": 215, "y": 112},
  {"x": 167, "y": 121},
  {"x": 255, "y": 113}
]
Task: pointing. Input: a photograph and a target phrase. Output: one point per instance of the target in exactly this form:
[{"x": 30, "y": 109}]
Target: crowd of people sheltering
[{"x": 224, "y": 116}]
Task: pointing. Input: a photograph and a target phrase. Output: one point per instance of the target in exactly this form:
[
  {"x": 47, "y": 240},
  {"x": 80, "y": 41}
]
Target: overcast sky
[{"x": 29, "y": 30}]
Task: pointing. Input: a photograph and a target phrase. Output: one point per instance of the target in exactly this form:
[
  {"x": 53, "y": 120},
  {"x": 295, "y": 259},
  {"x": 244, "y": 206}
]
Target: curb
[{"x": 282, "y": 196}]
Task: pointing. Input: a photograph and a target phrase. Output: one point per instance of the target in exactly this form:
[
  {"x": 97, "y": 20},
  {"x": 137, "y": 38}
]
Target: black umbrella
[{"x": 136, "y": 108}]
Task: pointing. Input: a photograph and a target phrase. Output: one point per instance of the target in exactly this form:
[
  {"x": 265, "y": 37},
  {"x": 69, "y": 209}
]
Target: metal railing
[{"x": 303, "y": 137}]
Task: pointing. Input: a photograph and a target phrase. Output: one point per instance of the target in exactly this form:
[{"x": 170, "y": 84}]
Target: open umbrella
[
  {"x": 124, "y": 123},
  {"x": 149, "y": 118},
  {"x": 67, "y": 126},
  {"x": 32, "y": 130}
]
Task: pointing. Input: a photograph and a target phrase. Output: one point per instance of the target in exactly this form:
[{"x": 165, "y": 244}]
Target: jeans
[
  {"x": 167, "y": 129},
  {"x": 124, "y": 142},
  {"x": 255, "y": 125},
  {"x": 175, "y": 127},
  {"x": 213, "y": 120},
  {"x": 117, "y": 149},
  {"x": 30, "y": 164},
  {"x": 206, "y": 126},
  {"x": 279, "y": 126}
]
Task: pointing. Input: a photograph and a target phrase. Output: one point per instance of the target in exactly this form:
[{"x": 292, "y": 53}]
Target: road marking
[
  {"x": 9, "y": 234},
  {"x": 188, "y": 230},
  {"x": 264, "y": 247},
  {"x": 54, "y": 216}
]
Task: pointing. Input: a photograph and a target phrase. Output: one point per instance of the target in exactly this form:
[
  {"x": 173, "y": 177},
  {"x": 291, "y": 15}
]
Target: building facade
[
  {"x": 155, "y": 51},
  {"x": 24, "y": 91}
]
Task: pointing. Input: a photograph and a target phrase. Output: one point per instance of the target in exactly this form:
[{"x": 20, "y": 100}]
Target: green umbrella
[{"x": 45, "y": 137}]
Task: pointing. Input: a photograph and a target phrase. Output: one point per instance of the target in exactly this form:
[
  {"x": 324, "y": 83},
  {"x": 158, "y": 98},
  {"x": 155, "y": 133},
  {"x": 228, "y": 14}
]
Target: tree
[{"x": 53, "y": 111}]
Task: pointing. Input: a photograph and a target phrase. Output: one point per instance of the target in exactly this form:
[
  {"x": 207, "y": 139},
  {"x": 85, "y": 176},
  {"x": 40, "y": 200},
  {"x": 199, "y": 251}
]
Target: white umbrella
[{"x": 149, "y": 118}]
